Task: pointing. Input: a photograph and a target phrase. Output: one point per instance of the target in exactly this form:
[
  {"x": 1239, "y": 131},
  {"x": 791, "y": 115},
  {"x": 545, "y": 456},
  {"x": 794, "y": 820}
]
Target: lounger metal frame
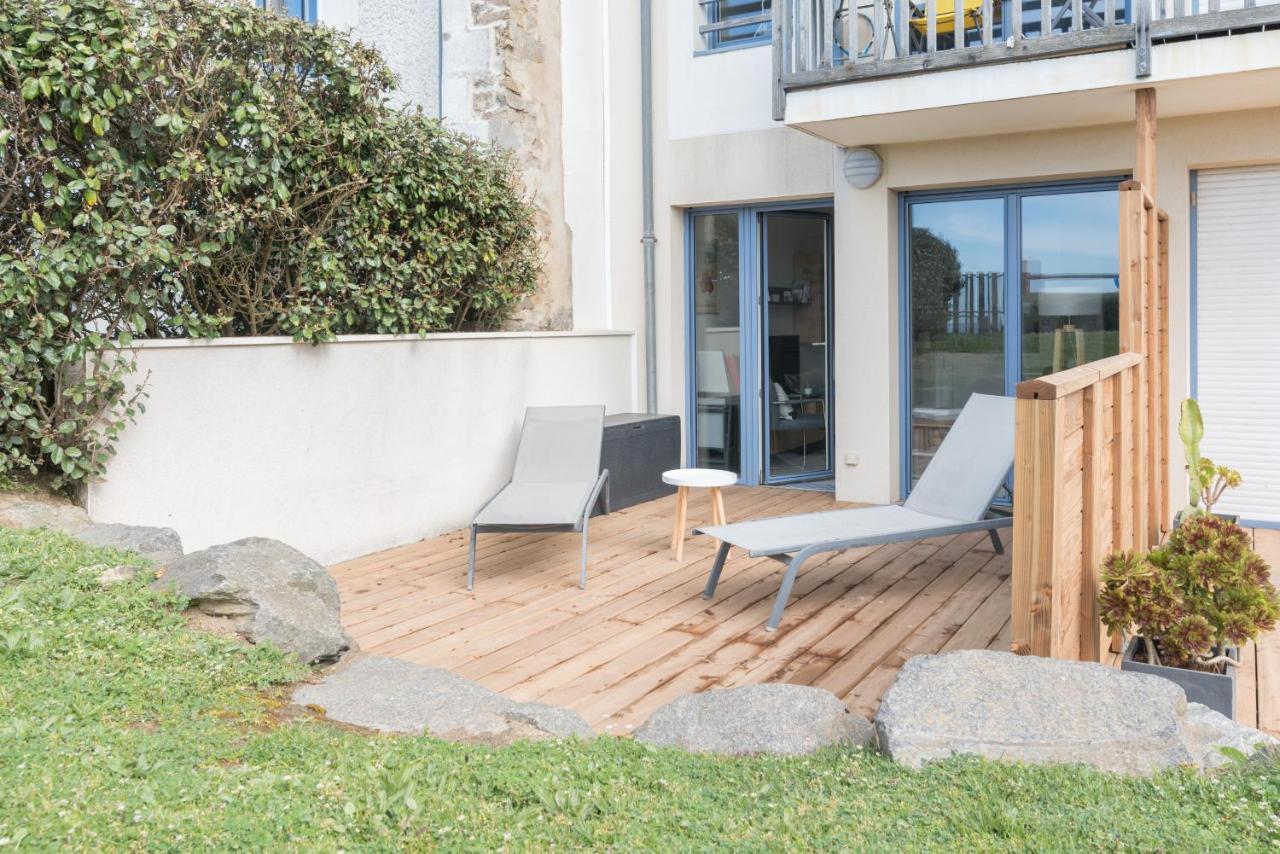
[
  {"x": 794, "y": 558},
  {"x": 599, "y": 496}
]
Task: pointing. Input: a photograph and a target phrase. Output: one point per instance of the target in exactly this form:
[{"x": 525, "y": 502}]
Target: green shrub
[
  {"x": 205, "y": 168},
  {"x": 1203, "y": 588}
]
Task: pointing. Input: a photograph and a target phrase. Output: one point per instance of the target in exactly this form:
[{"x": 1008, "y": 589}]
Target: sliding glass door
[
  {"x": 956, "y": 298},
  {"x": 797, "y": 388},
  {"x": 1001, "y": 286},
  {"x": 759, "y": 295},
  {"x": 1070, "y": 280},
  {"x": 717, "y": 328}
]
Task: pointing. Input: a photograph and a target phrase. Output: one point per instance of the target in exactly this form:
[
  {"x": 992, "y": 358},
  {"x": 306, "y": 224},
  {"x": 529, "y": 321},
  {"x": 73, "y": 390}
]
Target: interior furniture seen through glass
[
  {"x": 796, "y": 392},
  {"x": 716, "y": 325},
  {"x": 1061, "y": 297}
]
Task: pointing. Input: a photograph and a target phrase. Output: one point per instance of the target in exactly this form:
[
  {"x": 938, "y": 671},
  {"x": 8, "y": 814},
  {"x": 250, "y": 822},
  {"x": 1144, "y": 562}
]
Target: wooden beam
[
  {"x": 1095, "y": 526},
  {"x": 1036, "y": 528},
  {"x": 1132, "y": 212},
  {"x": 1144, "y": 170}
]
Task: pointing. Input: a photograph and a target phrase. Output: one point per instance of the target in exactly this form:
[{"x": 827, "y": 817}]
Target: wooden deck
[{"x": 641, "y": 634}]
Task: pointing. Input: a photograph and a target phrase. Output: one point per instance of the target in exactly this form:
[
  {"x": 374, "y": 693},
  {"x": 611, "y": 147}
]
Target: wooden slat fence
[{"x": 1091, "y": 469}]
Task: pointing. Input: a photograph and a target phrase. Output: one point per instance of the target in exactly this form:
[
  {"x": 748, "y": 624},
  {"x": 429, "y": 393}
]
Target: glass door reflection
[
  {"x": 1070, "y": 280},
  {"x": 716, "y": 326},
  {"x": 795, "y": 297},
  {"x": 956, "y": 262}
]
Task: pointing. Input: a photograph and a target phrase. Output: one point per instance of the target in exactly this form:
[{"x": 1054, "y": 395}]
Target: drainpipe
[{"x": 649, "y": 239}]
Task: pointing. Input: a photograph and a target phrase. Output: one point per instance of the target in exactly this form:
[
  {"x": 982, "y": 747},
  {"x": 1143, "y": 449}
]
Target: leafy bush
[
  {"x": 1202, "y": 590},
  {"x": 205, "y": 168}
]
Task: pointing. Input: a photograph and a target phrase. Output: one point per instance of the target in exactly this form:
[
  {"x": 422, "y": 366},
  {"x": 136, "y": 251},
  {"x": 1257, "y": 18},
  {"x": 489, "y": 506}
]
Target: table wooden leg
[
  {"x": 682, "y": 507},
  {"x": 717, "y": 506}
]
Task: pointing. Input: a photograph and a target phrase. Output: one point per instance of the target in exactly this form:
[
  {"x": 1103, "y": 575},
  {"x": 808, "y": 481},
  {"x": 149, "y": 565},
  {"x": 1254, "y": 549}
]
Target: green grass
[{"x": 120, "y": 728}]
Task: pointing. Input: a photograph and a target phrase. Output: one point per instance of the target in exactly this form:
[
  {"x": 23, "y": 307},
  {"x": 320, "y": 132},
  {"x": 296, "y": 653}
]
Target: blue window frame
[
  {"x": 732, "y": 24},
  {"x": 739, "y": 231},
  {"x": 304, "y": 9},
  {"x": 1020, "y": 287}
]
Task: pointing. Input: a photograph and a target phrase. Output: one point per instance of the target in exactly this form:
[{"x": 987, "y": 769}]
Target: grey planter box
[
  {"x": 1226, "y": 517},
  {"x": 1215, "y": 690}
]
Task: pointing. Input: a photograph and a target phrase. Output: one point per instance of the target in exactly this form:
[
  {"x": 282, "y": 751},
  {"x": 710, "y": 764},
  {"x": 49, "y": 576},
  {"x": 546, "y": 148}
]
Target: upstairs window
[
  {"x": 304, "y": 9},
  {"x": 735, "y": 23}
]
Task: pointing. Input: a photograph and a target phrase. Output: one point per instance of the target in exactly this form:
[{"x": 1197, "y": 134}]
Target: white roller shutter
[{"x": 1238, "y": 331}]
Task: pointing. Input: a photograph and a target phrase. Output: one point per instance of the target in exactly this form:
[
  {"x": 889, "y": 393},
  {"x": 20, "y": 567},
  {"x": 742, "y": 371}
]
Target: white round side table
[{"x": 686, "y": 479}]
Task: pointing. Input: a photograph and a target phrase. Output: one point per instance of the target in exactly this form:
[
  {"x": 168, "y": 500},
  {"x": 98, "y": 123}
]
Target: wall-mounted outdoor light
[{"x": 862, "y": 167}]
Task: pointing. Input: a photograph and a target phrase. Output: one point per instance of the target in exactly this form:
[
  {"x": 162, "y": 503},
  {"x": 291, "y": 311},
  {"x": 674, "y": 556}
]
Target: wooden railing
[
  {"x": 1091, "y": 455},
  {"x": 818, "y": 42}
]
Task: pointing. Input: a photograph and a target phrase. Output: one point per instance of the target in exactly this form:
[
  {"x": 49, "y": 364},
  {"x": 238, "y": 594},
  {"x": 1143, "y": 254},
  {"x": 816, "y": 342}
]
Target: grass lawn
[{"x": 121, "y": 728}]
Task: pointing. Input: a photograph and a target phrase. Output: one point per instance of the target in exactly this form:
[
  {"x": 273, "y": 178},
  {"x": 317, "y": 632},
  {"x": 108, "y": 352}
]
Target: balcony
[{"x": 840, "y": 64}]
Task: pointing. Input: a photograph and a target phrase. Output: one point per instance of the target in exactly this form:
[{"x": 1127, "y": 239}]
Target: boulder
[
  {"x": 1040, "y": 710},
  {"x": 268, "y": 591},
  {"x": 756, "y": 719},
  {"x": 1209, "y": 732},
  {"x": 391, "y": 695},
  {"x": 40, "y": 510},
  {"x": 117, "y": 574},
  {"x": 161, "y": 545}
]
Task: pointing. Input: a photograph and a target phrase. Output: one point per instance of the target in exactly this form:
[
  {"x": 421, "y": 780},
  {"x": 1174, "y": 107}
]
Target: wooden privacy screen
[{"x": 1091, "y": 455}]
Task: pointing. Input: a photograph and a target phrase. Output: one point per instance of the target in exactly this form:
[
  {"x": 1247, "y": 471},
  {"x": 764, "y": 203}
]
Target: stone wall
[
  {"x": 502, "y": 85},
  {"x": 491, "y": 68}
]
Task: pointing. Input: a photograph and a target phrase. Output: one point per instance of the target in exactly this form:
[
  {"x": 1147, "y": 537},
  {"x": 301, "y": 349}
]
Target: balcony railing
[{"x": 819, "y": 42}]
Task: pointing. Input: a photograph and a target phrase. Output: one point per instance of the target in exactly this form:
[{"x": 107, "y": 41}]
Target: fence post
[
  {"x": 1035, "y": 524},
  {"x": 1161, "y": 355},
  {"x": 1094, "y": 541}
]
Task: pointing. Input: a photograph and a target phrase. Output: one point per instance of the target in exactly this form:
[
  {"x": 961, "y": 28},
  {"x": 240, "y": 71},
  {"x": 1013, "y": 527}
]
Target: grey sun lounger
[
  {"x": 953, "y": 496},
  {"x": 556, "y": 482}
]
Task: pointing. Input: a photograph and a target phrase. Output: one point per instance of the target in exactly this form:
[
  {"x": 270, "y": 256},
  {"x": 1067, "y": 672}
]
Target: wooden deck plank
[
  {"x": 910, "y": 610},
  {"x": 928, "y": 637},
  {"x": 1247, "y": 687},
  {"x": 540, "y": 563},
  {"x": 641, "y": 635},
  {"x": 641, "y": 566}
]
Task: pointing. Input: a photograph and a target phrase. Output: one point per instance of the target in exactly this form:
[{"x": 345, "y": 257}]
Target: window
[
  {"x": 304, "y": 9},
  {"x": 1002, "y": 286},
  {"x": 735, "y": 23}
]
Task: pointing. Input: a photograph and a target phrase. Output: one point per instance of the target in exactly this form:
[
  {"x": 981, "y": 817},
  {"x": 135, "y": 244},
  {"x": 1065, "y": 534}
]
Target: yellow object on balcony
[{"x": 946, "y": 16}]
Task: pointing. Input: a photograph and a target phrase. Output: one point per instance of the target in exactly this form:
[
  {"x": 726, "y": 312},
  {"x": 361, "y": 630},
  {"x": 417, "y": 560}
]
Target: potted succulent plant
[
  {"x": 1206, "y": 481},
  {"x": 1191, "y": 603}
]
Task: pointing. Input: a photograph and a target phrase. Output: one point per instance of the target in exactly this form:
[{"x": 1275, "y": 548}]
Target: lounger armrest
[
  {"x": 602, "y": 486},
  {"x": 491, "y": 499}
]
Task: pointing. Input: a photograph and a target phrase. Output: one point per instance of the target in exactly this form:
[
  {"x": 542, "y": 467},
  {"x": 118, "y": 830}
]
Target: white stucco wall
[
  {"x": 712, "y": 93},
  {"x": 584, "y": 72},
  {"x": 406, "y": 32},
  {"x": 345, "y": 448},
  {"x": 714, "y": 143}
]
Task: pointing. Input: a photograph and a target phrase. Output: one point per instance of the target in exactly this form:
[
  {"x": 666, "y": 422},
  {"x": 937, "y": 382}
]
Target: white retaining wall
[{"x": 345, "y": 448}]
